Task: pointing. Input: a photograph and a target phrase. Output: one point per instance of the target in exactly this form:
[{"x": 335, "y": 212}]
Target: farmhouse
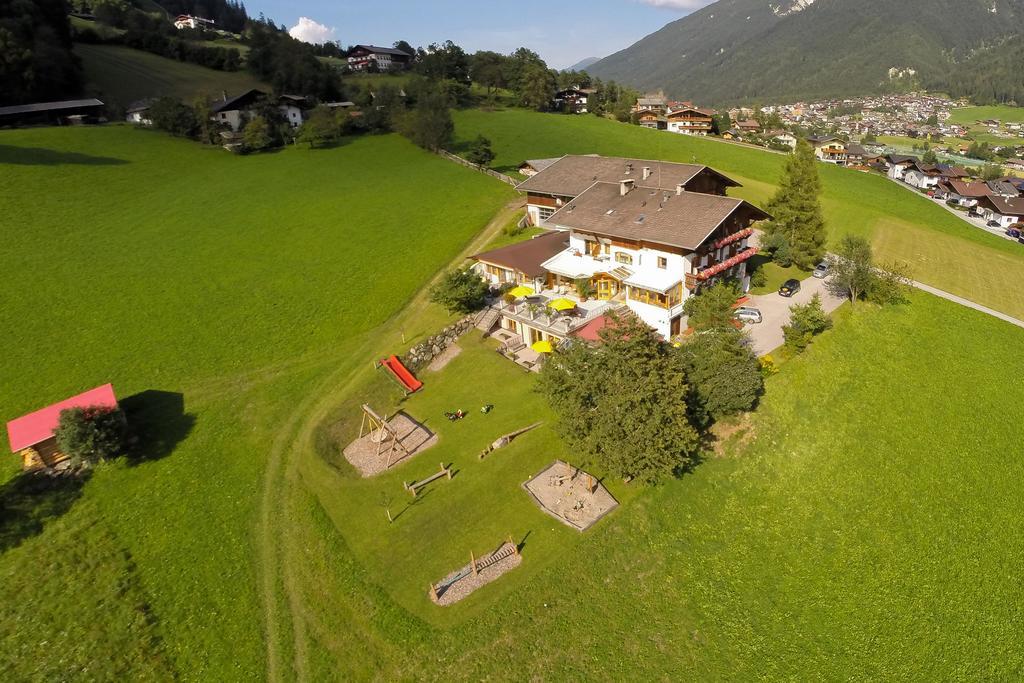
[
  {"x": 962, "y": 193},
  {"x": 690, "y": 121},
  {"x": 570, "y": 176},
  {"x": 293, "y": 108},
  {"x": 653, "y": 120},
  {"x": 1005, "y": 212},
  {"x": 32, "y": 435},
  {"x": 138, "y": 113},
  {"x": 898, "y": 165},
  {"x": 829, "y": 148},
  {"x": 748, "y": 126},
  {"x": 574, "y": 100},
  {"x": 642, "y": 235},
  {"x": 369, "y": 57},
  {"x": 184, "y": 21},
  {"x": 654, "y": 103},
  {"x": 237, "y": 110}
]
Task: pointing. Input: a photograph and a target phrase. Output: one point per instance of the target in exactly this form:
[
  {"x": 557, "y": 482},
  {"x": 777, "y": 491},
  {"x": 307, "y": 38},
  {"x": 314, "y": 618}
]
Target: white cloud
[
  {"x": 309, "y": 31},
  {"x": 677, "y": 4}
]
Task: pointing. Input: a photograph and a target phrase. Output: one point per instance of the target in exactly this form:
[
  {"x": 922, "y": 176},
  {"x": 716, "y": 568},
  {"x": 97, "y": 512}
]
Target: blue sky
[{"x": 562, "y": 31}]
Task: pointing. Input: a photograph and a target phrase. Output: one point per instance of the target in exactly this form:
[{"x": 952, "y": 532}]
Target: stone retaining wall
[{"x": 419, "y": 356}]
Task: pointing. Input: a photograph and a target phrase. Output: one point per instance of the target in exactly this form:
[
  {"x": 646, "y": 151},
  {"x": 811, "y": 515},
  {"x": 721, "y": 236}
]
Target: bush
[
  {"x": 758, "y": 278},
  {"x": 480, "y": 152},
  {"x": 768, "y": 366},
  {"x": 724, "y": 373},
  {"x": 460, "y": 291},
  {"x": 890, "y": 285},
  {"x": 89, "y": 435},
  {"x": 807, "y": 321},
  {"x": 777, "y": 246}
]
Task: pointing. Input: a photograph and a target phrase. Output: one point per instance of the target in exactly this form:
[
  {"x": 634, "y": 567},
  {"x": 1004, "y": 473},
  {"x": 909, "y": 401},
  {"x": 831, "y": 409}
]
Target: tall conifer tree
[{"x": 796, "y": 208}]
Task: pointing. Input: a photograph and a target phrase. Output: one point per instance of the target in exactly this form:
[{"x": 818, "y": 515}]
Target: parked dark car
[
  {"x": 993, "y": 224},
  {"x": 789, "y": 287},
  {"x": 1013, "y": 232}
]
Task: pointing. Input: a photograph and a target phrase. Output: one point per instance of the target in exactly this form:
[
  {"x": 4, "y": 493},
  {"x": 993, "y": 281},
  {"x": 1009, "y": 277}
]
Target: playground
[
  {"x": 386, "y": 442},
  {"x": 505, "y": 435},
  {"x": 570, "y": 495}
]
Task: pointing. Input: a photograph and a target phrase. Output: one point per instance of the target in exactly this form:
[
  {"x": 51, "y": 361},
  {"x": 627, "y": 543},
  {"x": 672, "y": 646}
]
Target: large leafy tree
[
  {"x": 713, "y": 308},
  {"x": 535, "y": 86},
  {"x": 256, "y": 134},
  {"x": 429, "y": 124},
  {"x": 796, "y": 208},
  {"x": 623, "y": 404},
  {"x": 320, "y": 128},
  {"x": 460, "y": 291},
  {"x": 852, "y": 268}
]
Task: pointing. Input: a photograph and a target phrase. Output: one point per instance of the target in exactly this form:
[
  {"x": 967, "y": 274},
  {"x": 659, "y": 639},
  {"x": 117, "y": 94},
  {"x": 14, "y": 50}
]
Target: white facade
[
  {"x": 291, "y": 114},
  {"x": 1004, "y": 221},
  {"x": 916, "y": 178},
  {"x": 139, "y": 118},
  {"x": 232, "y": 118}
]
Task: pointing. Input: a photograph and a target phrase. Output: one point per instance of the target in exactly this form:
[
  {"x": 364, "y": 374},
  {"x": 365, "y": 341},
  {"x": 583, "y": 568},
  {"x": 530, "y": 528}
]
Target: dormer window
[
  {"x": 624, "y": 258},
  {"x": 662, "y": 262}
]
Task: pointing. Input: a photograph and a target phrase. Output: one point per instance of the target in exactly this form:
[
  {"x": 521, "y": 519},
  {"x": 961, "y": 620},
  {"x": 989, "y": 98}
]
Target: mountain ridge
[{"x": 741, "y": 51}]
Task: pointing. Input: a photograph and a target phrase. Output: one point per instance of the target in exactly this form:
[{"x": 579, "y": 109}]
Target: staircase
[{"x": 487, "y": 319}]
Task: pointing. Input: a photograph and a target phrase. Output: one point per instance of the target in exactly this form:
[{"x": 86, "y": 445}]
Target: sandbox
[
  {"x": 478, "y": 573},
  {"x": 570, "y": 495},
  {"x": 371, "y": 456}
]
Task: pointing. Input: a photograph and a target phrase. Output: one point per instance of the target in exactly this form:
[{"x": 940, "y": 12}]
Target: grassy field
[
  {"x": 971, "y": 115},
  {"x": 854, "y": 202},
  {"x": 124, "y": 75},
  {"x": 215, "y": 292},
  {"x": 775, "y": 274}
]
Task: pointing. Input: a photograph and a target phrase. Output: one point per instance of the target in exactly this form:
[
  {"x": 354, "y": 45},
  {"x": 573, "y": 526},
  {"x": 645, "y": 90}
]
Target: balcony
[{"x": 534, "y": 312}]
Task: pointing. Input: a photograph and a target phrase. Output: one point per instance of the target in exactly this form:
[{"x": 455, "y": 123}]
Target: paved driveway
[{"x": 767, "y": 336}]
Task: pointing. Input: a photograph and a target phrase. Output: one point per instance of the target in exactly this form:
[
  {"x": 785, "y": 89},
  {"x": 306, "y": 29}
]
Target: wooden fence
[{"x": 482, "y": 169}]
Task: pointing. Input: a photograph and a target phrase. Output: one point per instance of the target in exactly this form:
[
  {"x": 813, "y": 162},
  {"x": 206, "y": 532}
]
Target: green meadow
[
  {"x": 860, "y": 523},
  {"x": 123, "y": 75},
  {"x": 950, "y": 254},
  {"x": 971, "y": 115}
]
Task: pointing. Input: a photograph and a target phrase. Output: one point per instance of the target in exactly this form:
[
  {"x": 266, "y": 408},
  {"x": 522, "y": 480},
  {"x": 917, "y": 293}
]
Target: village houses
[{"x": 371, "y": 57}]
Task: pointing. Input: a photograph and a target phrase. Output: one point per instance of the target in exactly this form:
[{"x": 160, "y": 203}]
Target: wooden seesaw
[
  {"x": 415, "y": 486},
  {"x": 506, "y": 439}
]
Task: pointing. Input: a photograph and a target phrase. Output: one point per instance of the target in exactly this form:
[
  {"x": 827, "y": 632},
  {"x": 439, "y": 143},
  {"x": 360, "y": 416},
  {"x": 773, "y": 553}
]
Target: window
[
  {"x": 545, "y": 213},
  {"x": 662, "y": 262},
  {"x": 623, "y": 257}
]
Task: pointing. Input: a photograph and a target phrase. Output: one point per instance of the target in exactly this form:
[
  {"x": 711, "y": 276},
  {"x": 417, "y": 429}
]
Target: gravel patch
[
  {"x": 446, "y": 357},
  {"x": 416, "y": 438},
  {"x": 468, "y": 583},
  {"x": 570, "y": 495}
]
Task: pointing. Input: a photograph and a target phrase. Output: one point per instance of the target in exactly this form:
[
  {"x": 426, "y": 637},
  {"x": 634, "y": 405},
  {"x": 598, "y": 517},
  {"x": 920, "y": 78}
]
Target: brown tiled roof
[
  {"x": 650, "y": 214},
  {"x": 967, "y": 189},
  {"x": 1004, "y": 206},
  {"x": 526, "y": 256},
  {"x": 571, "y": 175}
]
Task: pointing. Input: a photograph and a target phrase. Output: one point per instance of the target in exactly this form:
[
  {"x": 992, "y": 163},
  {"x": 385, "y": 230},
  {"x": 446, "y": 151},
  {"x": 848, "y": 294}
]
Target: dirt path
[{"x": 282, "y": 481}]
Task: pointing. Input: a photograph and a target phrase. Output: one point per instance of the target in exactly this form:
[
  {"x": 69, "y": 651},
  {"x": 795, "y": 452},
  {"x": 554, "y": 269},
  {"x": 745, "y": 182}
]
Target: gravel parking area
[{"x": 767, "y": 335}]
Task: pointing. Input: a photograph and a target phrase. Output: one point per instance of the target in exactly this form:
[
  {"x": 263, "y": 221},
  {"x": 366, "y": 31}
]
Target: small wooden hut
[{"x": 32, "y": 435}]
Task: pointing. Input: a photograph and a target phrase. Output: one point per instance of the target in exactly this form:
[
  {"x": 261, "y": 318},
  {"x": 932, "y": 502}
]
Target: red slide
[{"x": 403, "y": 376}]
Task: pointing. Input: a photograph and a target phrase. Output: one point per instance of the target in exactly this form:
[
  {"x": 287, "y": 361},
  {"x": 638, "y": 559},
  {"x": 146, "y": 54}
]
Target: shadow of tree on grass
[
  {"x": 30, "y": 499},
  {"x": 41, "y": 156},
  {"x": 157, "y": 423}
]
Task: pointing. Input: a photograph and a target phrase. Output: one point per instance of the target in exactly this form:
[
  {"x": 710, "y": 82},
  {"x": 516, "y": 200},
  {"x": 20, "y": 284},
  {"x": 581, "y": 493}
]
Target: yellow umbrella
[
  {"x": 542, "y": 346},
  {"x": 562, "y": 304},
  {"x": 520, "y": 291}
]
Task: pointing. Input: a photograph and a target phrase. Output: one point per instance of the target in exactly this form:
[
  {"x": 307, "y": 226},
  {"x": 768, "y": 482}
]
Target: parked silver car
[
  {"x": 747, "y": 314},
  {"x": 821, "y": 270}
]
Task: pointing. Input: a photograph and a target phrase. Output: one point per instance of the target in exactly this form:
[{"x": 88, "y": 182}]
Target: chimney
[
  {"x": 647, "y": 172},
  {"x": 680, "y": 188},
  {"x": 625, "y": 186}
]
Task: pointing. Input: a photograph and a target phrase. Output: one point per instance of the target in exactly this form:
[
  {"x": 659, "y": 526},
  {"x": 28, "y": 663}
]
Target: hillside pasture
[
  {"x": 854, "y": 202},
  {"x": 122, "y": 75},
  {"x": 971, "y": 115},
  {"x": 215, "y": 291}
]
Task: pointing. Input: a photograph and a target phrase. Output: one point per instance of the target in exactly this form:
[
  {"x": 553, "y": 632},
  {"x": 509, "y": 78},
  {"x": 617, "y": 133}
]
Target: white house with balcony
[{"x": 627, "y": 243}]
